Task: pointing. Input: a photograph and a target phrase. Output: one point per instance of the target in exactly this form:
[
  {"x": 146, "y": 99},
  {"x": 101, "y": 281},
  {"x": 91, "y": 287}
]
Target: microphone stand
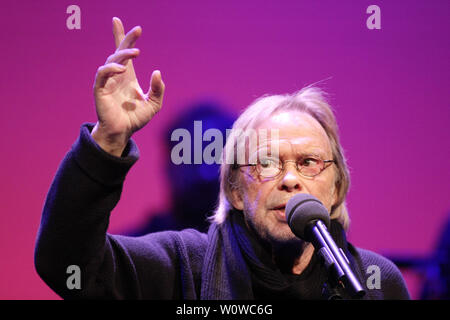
[
  {"x": 341, "y": 282},
  {"x": 332, "y": 291}
]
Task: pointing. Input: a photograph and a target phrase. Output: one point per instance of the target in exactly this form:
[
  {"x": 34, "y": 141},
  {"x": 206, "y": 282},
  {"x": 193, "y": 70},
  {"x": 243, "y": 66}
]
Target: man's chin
[
  {"x": 281, "y": 234},
  {"x": 272, "y": 231}
]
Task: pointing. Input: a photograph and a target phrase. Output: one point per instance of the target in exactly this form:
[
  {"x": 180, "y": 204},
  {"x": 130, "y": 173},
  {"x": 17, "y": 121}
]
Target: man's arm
[
  {"x": 383, "y": 279},
  {"x": 89, "y": 181},
  {"x": 75, "y": 218}
]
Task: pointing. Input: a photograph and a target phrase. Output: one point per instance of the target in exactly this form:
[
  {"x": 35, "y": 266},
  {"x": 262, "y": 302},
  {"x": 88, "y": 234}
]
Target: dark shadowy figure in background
[
  {"x": 434, "y": 269},
  {"x": 437, "y": 277},
  {"x": 194, "y": 187}
]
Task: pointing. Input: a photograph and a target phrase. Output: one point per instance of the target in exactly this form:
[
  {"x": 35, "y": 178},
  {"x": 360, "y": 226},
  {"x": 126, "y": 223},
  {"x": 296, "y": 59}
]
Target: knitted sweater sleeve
[
  {"x": 384, "y": 280},
  {"x": 76, "y": 256}
]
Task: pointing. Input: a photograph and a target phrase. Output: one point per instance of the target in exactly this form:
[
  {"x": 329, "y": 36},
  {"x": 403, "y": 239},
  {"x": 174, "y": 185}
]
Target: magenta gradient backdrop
[{"x": 389, "y": 88}]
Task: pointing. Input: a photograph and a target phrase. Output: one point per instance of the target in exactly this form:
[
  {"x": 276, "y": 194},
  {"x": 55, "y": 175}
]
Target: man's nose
[{"x": 290, "y": 178}]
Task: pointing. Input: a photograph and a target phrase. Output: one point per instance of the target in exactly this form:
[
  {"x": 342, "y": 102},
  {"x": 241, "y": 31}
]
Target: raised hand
[{"x": 122, "y": 107}]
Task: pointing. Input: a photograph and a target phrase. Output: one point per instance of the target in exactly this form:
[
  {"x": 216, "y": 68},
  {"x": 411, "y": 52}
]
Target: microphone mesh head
[{"x": 301, "y": 210}]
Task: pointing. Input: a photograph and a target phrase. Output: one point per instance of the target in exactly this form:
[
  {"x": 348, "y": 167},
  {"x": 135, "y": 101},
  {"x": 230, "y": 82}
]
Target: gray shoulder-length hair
[{"x": 310, "y": 100}]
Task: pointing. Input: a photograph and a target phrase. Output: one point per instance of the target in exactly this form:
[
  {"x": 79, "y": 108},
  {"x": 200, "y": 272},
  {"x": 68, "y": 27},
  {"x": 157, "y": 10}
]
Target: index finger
[{"x": 118, "y": 31}]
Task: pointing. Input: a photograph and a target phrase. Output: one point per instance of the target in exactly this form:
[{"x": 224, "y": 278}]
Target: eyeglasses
[{"x": 308, "y": 166}]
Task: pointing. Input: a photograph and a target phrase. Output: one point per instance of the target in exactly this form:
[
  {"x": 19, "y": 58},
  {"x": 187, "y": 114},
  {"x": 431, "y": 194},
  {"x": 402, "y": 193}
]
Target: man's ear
[{"x": 236, "y": 199}]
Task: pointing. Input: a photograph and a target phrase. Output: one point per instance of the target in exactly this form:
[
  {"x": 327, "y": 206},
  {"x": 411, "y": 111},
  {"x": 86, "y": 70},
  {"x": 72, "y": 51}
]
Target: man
[{"x": 249, "y": 251}]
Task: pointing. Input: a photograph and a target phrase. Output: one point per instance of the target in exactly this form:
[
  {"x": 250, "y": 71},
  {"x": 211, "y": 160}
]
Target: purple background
[{"x": 389, "y": 87}]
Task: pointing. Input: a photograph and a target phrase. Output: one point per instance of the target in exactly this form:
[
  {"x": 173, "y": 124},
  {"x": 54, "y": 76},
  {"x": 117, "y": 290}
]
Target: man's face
[{"x": 263, "y": 200}]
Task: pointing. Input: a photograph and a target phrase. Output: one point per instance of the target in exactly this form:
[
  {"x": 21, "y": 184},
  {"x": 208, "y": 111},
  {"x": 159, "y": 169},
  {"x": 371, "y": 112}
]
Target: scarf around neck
[{"x": 238, "y": 267}]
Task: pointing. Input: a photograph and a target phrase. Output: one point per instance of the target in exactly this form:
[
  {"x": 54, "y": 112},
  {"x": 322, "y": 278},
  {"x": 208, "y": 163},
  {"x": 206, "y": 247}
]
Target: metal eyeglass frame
[{"x": 281, "y": 169}]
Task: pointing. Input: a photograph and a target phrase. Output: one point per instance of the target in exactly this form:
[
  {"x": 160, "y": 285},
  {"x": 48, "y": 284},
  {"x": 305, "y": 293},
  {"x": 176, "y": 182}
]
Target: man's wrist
[
  {"x": 100, "y": 165},
  {"x": 112, "y": 144}
]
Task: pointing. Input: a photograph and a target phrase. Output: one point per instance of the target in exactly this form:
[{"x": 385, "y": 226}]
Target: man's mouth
[
  {"x": 280, "y": 207},
  {"x": 280, "y": 212}
]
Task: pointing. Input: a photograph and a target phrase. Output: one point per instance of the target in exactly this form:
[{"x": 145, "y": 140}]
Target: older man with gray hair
[{"x": 249, "y": 251}]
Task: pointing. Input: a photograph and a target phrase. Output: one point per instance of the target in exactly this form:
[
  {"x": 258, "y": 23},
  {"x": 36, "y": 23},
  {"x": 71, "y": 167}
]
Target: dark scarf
[{"x": 238, "y": 266}]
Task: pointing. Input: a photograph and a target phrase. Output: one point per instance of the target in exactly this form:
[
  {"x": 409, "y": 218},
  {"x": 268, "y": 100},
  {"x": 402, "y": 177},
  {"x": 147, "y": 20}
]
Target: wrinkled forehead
[
  {"x": 294, "y": 132},
  {"x": 285, "y": 148}
]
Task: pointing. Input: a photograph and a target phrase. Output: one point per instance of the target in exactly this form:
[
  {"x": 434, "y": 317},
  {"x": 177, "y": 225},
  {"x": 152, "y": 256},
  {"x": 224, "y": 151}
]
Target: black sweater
[{"x": 165, "y": 265}]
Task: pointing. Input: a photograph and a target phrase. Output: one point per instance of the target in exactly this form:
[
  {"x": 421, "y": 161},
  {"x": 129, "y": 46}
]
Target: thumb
[{"x": 156, "y": 90}]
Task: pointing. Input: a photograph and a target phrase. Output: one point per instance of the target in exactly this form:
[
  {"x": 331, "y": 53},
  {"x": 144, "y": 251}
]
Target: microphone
[{"x": 309, "y": 220}]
